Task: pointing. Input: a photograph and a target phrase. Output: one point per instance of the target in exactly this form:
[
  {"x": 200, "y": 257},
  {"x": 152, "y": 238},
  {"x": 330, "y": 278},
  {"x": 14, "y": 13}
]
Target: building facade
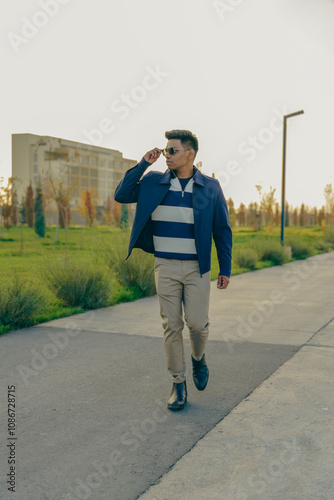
[{"x": 67, "y": 167}]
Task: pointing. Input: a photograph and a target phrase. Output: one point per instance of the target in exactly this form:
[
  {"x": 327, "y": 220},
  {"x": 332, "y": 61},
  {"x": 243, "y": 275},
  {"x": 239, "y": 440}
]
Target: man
[{"x": 177, "y": 214}]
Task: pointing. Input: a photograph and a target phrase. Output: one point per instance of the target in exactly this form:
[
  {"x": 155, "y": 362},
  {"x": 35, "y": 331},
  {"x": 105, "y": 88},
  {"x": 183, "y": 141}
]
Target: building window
[
  {"x": 110, "y": 164},
  {"x": 84, "y": 171},
  {"x": 74, "y": 181},
  {"x": 93, "y": 172},
  {"x": 35, "y": 169},
  {"x": 102, "y": 174},
  {"x": 92, "y": 161},
  {"x": 35, "y": 180},
  {"x": 110, "y": 175},
  {"x": 84, "y": 182},
  {"x": 35, "y": 156},
  {"x": 83, "y": 160},
  {"x": 93, "y": 183},
  {"x": 102, "y": 162},
  {"x": 75, "y": 170}
]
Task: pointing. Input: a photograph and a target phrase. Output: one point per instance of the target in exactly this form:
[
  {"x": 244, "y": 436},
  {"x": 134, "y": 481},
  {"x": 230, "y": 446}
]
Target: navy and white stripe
[{"x": 173, "y": 222}]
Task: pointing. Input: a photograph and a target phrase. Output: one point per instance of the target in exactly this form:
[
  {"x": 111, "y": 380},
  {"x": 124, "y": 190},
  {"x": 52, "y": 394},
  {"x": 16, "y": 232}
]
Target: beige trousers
[{"x": 179, "y": 282}]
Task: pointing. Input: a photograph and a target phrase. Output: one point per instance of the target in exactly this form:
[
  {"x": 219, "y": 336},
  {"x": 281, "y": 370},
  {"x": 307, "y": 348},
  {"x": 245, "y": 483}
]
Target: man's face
[{"x": 180, "y": 158}]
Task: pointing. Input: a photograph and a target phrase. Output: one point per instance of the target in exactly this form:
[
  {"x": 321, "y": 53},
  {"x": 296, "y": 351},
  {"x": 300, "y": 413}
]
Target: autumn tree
[
  {"x": 6, "y": 206},
  {"x": 87, "y": 207},
  {"x": 117, "y": 207},
  {"x": 64, "y": 210},
  {"x": 267, "y": 202}
]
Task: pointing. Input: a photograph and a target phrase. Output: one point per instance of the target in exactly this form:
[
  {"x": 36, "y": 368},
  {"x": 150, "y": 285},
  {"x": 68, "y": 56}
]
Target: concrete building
[{"x": 69, "y": 166}]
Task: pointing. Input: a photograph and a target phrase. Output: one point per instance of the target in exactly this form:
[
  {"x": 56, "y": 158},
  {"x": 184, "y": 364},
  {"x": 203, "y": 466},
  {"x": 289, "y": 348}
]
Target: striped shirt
[{"x": 173, "y": 222}]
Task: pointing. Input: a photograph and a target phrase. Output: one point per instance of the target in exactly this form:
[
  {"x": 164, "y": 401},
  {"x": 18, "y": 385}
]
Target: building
[{"x": 67, "y": 167}]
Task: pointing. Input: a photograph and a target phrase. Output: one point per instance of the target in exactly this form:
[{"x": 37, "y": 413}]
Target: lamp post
[{"x": 285, "y": 117}]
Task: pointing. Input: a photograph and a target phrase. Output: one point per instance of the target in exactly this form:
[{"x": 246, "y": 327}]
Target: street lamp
[{"x": 285, "y": 117}]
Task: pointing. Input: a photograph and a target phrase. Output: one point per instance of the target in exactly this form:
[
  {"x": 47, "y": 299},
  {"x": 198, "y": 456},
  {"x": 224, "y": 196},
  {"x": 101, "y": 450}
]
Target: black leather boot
[
  {"x": 200, "y": 373},
  {"x": 178, "y": 397}
]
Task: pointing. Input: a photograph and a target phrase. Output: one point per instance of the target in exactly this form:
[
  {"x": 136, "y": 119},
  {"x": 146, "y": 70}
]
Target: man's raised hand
[{"x": 153, "y": 155}]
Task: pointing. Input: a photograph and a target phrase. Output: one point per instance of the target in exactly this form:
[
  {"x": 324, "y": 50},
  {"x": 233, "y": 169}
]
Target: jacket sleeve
[
  {"x": 128, "y": 189},
  {"x": 222, "y": 234}
]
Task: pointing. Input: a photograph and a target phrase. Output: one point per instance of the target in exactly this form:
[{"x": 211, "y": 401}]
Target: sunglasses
[{"x": 172, "y": 151}]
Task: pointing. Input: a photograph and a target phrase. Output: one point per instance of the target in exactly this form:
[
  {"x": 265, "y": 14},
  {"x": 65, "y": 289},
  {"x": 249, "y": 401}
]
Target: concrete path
[{"x": 92, "y": 389}]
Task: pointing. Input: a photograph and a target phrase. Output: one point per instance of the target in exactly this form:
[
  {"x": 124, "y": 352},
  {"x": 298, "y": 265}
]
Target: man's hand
[
  {"x": 223, "y": 282},
  {"x": 153, "y": 155}
]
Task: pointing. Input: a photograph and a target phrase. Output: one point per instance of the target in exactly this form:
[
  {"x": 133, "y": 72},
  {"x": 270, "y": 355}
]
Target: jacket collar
[{"x": 198, "y": 177}]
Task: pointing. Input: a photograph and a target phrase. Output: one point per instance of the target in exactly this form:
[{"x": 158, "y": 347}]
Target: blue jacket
[{"x": 209, "y": 205}]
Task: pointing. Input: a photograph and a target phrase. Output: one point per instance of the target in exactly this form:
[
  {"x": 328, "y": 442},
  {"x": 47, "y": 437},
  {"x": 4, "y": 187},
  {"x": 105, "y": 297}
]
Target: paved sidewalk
[
  {"x": 91, "y": 392},
  {"x": 277, "y": 444}
]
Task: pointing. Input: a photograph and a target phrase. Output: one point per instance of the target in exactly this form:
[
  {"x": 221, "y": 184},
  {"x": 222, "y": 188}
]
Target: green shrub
[
  {"x": 137, "y": 271},
  {"x": 77, "y": 283},
  {"x": 19, "y": 301},
  {"x": 329, "y": 235},
  {"x": 270, "y": 250},
  {"x": 299, "y": 249},
  {"x": 323, "y": 246},
  {"x": 245, "y": 258}
]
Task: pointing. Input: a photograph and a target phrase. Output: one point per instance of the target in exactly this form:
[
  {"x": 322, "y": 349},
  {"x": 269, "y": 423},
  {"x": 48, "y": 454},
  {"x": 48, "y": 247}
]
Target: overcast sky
[{"x": 226, "y": 70}]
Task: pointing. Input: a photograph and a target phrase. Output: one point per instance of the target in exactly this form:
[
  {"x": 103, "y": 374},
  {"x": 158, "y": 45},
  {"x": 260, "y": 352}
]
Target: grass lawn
[{"x": 87, "y": 244}]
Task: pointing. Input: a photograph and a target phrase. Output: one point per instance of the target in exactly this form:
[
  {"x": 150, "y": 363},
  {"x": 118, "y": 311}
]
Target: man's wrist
[{"x": 144, "y": 163}]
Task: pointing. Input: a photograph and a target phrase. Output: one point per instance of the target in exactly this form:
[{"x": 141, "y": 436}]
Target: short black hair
[{"x": 187, "y": 138}]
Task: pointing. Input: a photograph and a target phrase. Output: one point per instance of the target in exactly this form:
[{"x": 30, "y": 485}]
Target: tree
[
  {"x": 287, "y": 214},
  {"x": 6, "y": 204},
  {"x": 277, "y": 217},
  {"x": 242, "y": 215},
  {"x": 321, "y": 216},
  {"x": 64, "y": 211},
  {"x": 108, "y": 215},
  {"x": 117, "y": 212},
  {"x": 39, "y": 212},
  {"x": 29, "y": 206},
  {"x": 87, "y": 207},
  {"x": 231, "y": 212},
  {"x": 267, "y": 202},
  {"x": 295, "y": 217},
  {"x": 14, "y": 201},
  {"x": 124, "y": 217},
  {"x": 302, "y": 215},
  {"x": 329, "y": 198},
  {"x": 22, "y": 212}
]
